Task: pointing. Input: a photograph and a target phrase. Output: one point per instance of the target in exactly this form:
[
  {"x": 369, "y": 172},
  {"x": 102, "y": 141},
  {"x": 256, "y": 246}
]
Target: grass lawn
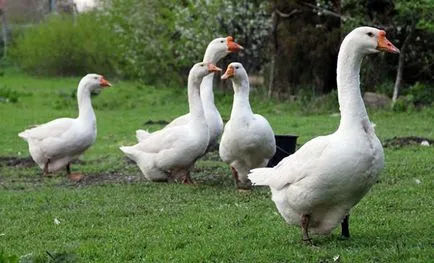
[{"x": 114, "y": 215}]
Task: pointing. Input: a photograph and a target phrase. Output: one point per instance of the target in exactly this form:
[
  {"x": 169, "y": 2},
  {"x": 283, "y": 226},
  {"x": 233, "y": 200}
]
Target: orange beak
[
  {"x": 230, "y": 72},
  {"x": 213, "y": 68},
  {"x": 104, "y": 83},
  {"x": 232, "y": 45},
  {"x": 383, "y": 44}
]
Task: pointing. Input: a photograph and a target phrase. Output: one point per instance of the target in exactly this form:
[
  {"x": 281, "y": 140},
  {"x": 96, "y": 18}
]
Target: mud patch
[
  {"x": 113, "y": 177},
  {"x": 397, "y": 142},
  {"x": 26, "y": 162},
  {"x": 19, "y": 162}
]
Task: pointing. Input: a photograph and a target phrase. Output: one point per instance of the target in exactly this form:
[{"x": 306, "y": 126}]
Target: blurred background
[{"x": 290, "y": 52}]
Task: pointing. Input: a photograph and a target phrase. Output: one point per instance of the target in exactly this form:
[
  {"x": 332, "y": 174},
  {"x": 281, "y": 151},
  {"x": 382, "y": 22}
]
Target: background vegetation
[{"x": 156, "y": 41}]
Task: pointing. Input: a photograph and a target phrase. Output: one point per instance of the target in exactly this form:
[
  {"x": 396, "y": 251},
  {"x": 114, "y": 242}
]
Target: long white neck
[
  {"x": 194, "y": 101},
  {"x": 206, "y": 89},
  {"x": 207, "y": 93},
  {"x": 353, "y": 111},
  {"x": 241, "y": 105},
  {"x": 85, "y": 110}
]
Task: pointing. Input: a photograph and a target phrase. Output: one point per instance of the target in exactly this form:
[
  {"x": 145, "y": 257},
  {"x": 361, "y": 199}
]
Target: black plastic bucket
[{"x": 285, "y": 146}]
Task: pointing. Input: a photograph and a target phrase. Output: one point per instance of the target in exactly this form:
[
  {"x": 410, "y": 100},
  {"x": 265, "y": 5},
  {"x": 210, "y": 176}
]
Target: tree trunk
[
  {"x": 398, "y": 80},
  {"x": 4, "y": 32},
  {"x": 274, "y": 19},
  {"x": 52, "y": 6}
]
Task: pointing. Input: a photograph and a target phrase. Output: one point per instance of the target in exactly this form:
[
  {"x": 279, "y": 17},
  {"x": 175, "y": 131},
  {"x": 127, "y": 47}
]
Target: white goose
[
  {"x": 248, "y": 140},
  {"x": 317, "y": 186},
  {"x": 168, "y": 154},
  {"x": 216, "y": 50},
  {"x": 54, "y": 145}
]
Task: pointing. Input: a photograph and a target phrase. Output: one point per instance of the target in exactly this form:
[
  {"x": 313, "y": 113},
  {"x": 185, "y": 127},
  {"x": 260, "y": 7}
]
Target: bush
[
  {"x": 421, "y": 94},
  {"x": 402, "y": 104},
  {"x": 417, "y": 96},
  {"x": 65, "y": 45},
  {"x": 8, "y": 95}
]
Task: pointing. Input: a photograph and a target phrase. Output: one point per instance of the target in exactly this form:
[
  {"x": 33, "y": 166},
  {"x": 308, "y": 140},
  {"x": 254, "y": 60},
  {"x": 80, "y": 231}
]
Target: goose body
[
  {"x": 216, "y": 50},
  {"x": 54, "y": 145},
  {"x": 317, "y": 186},
  {"x": 169, "y": 153},
  {"x": 248, "y": 140}
]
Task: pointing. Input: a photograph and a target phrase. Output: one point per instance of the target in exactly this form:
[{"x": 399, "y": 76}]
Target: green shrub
[
  {"x": 64, "y": 45},
  {"x": 402, "y": 104},
  {"x": 421, "y": 94},
  {"x": 417, "y": 96},
  {"x": 8, "y": 95}
]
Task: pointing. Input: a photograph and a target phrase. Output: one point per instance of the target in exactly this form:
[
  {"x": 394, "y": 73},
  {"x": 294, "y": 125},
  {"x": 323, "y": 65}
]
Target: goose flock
[{"x": 314, "y": 188}]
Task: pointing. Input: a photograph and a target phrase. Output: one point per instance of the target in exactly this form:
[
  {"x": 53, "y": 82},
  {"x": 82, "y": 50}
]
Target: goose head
[
  {"x": 369, "y": 40},
  {"x": 220, "y": 47},
  {"x": 201, "y": 69},
  {"x": 94, "y": 82},
  {"x": 235, "y": 71}
]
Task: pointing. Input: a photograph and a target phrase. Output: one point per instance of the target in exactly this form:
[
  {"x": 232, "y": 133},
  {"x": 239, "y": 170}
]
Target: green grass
[{"x": 138, "y": 221}]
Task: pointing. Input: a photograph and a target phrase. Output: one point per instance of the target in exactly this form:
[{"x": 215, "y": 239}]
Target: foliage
[
  {"x": 403, "y": 104},
  {"x": 397, "y": 18},
  {"x": 415, "y": 18},
  {"x": 308, "y": 41},
  {"x": 417, "y": 96},
  {"x": 247, "y": 21},
  {"x": 145, "y": 30},
  {"x": 162, "y": 39},
  {"x": 64, "y": 45},
  {"x": 8, "y": 95},
  {"x": 421, "y": 94},
  {"x": 158, "y": 41}
]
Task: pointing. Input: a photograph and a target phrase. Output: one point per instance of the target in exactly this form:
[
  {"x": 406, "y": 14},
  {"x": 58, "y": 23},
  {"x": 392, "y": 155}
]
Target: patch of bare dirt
[
  {"x": 109, "y": 178},
  {"x": 120, "y": 175},
  {"x": 397, "y": 142},
  {"x": 19, "y": 162}
]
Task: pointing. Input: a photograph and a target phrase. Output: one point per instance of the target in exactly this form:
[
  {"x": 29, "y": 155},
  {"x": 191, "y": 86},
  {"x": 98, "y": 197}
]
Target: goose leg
[
  {"x": 68, "y": 169},
  {"x": 46, "y": 168},
  {"x": 186, "y": 177},
  {"x": 304, "y": 229},
  {"x": 242, "y": 186},
  {"x": 235, "y": 175},
  {"x": 345, "y": 227},
  {"x": 73, "y": 176}
]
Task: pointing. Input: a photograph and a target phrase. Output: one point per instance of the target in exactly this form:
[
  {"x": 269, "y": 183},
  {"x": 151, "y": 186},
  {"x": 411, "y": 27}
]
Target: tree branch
[
  {"x": 401, "y": 61},
  {"x": 325, "y": 11},
  {"x": 286, "y": 15}
]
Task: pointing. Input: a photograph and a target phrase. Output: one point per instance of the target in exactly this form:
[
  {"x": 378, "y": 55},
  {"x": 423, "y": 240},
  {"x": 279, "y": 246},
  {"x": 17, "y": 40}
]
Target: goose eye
[
  {"x": 370, "y": 34},
  {"x": 237, "y": 67},
  {"x": 95, "y": 77},
  {"x": 222, "y": 41}
]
